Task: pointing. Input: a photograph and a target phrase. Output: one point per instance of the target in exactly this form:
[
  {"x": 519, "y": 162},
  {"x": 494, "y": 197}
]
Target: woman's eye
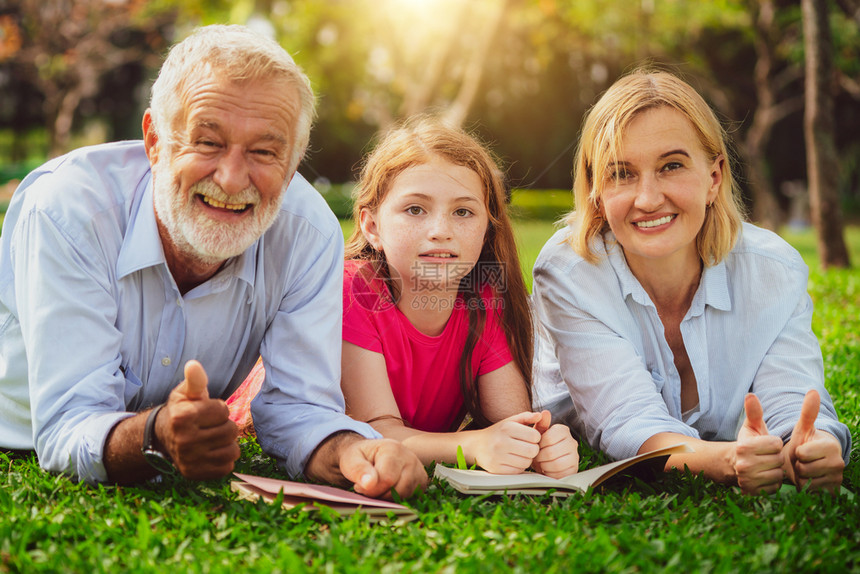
[
  {"x": 672, "y": 166},
  {"x": 414, "y": 210},
  {"x": 462, "y": 212},
  {"x": 619, "y": 175}
]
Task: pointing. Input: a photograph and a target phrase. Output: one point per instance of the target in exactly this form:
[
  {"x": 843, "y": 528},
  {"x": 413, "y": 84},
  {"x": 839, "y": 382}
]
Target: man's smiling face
[{"x": 219, "y": 183}]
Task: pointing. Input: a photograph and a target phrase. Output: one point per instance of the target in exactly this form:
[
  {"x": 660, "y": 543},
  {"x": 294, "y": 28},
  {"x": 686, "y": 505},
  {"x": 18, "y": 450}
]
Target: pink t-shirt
[{"x": 423, "y": 371}]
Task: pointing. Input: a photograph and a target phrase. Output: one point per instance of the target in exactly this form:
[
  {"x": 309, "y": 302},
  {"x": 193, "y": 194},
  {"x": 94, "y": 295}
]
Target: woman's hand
[
  {"x": 759, "y": 457},
  {"x": 507, "y": 447},
  {"x": 813, "y": 456},
  {"x": 559, "y": 454}
]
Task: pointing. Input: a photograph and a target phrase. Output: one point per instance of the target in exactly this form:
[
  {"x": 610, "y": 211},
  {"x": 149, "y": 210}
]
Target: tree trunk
[
  {"x": 765, "y": 210},
  {"x": 821, "y": 159}
]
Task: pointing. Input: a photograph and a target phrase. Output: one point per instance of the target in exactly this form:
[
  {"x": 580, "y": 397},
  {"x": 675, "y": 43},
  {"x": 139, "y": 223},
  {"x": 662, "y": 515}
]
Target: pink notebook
[{"x": 313, "y": 495}]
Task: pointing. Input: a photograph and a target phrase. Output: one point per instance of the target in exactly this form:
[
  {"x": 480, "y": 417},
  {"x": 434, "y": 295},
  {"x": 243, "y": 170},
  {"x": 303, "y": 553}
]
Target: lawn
[{"x": 679, "y": 522}]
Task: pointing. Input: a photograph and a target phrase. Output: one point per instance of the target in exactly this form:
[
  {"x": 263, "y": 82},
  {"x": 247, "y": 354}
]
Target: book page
[
  {"x": 317, "y": 492},
  {"x": 594, "y": 476},
  {"x": 482, "y": 482}
]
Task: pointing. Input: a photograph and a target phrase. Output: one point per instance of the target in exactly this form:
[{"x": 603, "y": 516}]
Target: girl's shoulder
[{"x": 365, "y": 287}]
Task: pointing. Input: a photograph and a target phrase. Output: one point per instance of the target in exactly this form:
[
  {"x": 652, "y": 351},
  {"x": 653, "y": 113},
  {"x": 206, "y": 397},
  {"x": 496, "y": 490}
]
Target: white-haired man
[{"x": 139, "y": 281}]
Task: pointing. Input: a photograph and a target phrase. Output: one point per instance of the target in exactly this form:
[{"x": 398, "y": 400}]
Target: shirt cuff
[
  {"x": 89, "y": 462},
  {"x": 293, "y": 453}
]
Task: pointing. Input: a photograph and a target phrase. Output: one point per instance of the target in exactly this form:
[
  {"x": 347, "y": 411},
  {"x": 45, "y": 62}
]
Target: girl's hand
[
  {"x": 814, "y": 456},
  {"x": 507, "y": 447},
  {"x": 558, "y": 456},
  {"x": 759, "y": 457}
]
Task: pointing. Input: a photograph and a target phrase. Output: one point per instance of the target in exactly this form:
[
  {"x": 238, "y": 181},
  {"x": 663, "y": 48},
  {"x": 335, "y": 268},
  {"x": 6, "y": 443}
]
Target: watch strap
[{"x": 156, "y": 459}]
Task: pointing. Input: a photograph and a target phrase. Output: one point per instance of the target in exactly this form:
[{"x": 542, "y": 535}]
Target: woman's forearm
[{"x": 716, "y": 459}]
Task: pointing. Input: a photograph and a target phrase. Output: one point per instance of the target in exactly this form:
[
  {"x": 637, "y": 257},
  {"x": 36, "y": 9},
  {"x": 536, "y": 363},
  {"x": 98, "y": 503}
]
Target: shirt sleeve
[
  {"x": 617, "y": 400},
  {"x": 300, "y": 403},
  {"x": 67, "y": 313},
  {"x": 792, "y": 366}
]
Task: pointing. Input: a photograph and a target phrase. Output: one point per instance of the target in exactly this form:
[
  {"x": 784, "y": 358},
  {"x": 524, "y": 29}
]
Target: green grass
[{"x": 678, "y": 522}]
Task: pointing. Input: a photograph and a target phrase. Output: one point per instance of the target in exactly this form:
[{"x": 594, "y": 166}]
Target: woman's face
[{"x": 654, "y": 198}]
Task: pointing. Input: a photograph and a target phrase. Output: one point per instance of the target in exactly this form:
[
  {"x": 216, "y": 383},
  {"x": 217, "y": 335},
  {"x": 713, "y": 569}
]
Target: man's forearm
[
  {"x": 122, "y": 457},
  {"x": 324, "y": 464}
]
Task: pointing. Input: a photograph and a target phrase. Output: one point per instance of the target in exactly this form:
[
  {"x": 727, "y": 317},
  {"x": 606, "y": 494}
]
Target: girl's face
[
  {"x": 430, "y": 226},
  {"x": 655, "y": 196}
]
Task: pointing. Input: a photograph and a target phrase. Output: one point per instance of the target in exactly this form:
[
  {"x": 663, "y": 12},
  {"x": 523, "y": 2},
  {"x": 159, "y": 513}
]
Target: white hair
[{"x": 238, "y": 54}]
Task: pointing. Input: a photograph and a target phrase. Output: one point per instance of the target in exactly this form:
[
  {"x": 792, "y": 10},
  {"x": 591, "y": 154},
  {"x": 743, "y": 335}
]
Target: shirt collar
[
  {"x": 141, "y": 246},
  {"x": 713, "y": 290}
]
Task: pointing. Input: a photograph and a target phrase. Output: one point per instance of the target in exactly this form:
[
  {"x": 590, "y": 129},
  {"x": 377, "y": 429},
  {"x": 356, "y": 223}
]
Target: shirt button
[
  {"x": 179, "y": 301},
  {"x": 165, "y": 361}
]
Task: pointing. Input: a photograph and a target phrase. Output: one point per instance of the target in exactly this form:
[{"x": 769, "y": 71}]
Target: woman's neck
[{"x": 670, "y": 284}]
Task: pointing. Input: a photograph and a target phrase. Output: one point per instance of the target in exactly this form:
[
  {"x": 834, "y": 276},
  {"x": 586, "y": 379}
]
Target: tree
[
  {"x": 69, "y": 48},
  {"x": 822, "y": 160}
]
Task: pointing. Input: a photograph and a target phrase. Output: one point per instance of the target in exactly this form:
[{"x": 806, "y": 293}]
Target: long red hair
[{"x": 417, "y": 142}]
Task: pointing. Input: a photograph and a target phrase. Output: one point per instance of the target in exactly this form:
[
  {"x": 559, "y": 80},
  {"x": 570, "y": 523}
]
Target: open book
[
  {"x": 481, "y": 482},
  {"x": 312, "y": 496}
]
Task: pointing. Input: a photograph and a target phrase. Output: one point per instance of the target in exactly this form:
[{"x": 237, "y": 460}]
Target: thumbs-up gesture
[
  {"x": 758, "y": 456},
  {"x": 558, "y": 456},
  {"x": 814, "y": 456},
  {"x": 195, "y": 430}
]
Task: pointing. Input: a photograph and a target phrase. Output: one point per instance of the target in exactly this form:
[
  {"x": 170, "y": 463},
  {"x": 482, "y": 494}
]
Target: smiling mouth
[
  {"x": 655, "y": 222},
  {"x": 439, "y": 255},
  {"x": 212, "y": 202}
]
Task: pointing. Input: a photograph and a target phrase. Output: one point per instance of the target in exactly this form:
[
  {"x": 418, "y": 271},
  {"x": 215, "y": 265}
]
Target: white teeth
[
  {"x": 221, "y": 205},
  {"x": 442, "y": 255},
  {"x": 654, "y": 222}
]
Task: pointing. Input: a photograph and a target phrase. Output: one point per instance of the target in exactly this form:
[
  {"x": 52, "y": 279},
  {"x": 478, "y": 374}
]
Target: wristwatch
[{"x": 156, "y": 459}]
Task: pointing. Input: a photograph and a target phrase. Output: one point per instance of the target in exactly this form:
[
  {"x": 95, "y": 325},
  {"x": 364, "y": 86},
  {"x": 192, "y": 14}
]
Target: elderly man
[{"x": 139, "y": 281}]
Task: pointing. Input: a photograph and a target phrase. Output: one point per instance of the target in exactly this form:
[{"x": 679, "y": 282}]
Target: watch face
[{"x": 159, "y": 462}]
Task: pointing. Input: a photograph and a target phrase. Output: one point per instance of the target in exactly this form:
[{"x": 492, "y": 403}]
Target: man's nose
[{"x": 232, "y": 174}]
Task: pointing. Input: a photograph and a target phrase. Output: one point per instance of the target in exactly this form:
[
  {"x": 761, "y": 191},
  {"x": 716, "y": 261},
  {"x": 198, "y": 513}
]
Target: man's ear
[
  {"x": 150, "y": 138},
  {"x": 370, "y": 229}
]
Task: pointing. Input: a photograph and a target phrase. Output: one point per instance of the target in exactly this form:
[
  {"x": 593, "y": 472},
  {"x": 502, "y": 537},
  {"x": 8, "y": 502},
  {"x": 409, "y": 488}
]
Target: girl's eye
[
  {"x": 414, "y": 210},
  {"x": 462, "y": 212}
]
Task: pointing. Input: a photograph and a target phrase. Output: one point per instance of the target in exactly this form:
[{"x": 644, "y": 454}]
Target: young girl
[{"x": 436, "y": 316}]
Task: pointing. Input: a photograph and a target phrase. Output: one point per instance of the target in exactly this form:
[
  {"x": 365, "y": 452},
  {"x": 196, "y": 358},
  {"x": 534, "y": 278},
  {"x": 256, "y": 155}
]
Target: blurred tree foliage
[{"x": 521, "y": 73}]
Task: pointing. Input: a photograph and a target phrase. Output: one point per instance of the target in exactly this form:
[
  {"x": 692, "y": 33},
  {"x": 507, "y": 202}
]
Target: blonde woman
[{"x": 669, "y": 319}]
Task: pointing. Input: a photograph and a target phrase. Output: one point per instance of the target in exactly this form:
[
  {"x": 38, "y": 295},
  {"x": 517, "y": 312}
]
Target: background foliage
[{"x": 520, "y": 73}]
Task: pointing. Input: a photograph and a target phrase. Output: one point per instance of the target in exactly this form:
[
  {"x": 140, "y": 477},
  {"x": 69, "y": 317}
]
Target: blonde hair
[
  {"x": 416, "y": 142},
  {"x": 239, "y": 55},
  {"x": 602, "y": 131}
]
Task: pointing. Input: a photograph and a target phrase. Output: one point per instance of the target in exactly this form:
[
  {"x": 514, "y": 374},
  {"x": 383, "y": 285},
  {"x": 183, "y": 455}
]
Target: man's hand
[
  {"x": 814, "y": 456},
  {"x": 758, "y": 456},
  {"x": 559, "y": 455},
  {"x": 377, "y": 466},
  {"x": 195, "y": 430}
]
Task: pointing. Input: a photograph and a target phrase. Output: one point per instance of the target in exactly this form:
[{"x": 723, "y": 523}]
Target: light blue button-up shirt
[
  {"x": 93, "y": 327},
  {"x": 604, "y": 365}
]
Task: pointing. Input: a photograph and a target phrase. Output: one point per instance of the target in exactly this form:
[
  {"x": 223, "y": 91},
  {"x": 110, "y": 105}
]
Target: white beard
[{"x": 199, "y": 237}]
